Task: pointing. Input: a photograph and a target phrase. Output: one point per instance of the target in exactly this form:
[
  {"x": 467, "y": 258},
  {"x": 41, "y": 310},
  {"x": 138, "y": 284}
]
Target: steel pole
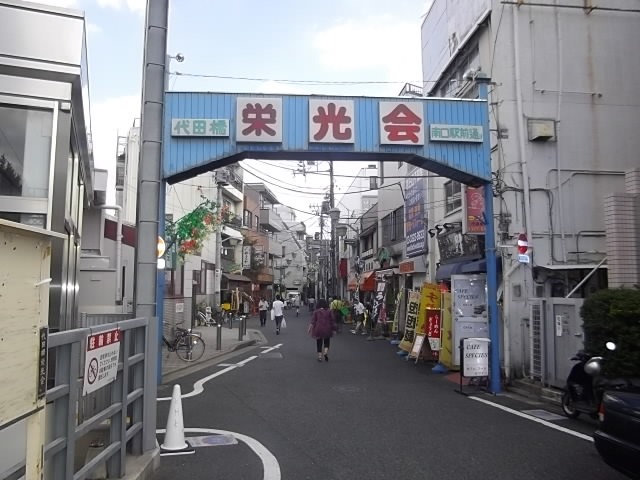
[{"x": 218, "y": 267}]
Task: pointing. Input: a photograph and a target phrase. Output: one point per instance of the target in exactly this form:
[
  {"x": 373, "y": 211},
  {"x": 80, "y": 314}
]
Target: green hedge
[{"x": 614, "y": 315}]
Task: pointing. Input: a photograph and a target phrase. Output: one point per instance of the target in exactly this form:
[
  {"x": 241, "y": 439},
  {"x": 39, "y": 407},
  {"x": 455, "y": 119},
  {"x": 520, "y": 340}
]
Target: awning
[
  {"x": 574, "y": 266},
  {"x": 479, "y": 266},
  {"x": 232, "y": 233},
  {"x": 234, "y": 277},
  {"x": 352, "y": 284},
  {"x": 368, "y": 282},
  {"x": 445, "y": 271}
]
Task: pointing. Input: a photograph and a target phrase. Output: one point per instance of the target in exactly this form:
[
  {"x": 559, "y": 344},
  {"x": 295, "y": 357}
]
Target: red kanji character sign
[
  {"x": 259, "y": 119},
  {"x": 331, "y": 121},
  {"x": 401, "y": 123}
]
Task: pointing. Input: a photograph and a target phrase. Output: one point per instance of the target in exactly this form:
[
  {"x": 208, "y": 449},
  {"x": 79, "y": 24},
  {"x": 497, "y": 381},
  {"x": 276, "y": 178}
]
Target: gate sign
[{"x": 101, "y": 363}]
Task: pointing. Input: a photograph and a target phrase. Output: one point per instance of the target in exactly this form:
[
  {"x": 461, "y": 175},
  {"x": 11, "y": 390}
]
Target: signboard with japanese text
[
  {"x": 271, "y": 126},
  {"x": 331, "y": 121},
  {"x": 474, "y": 220},
  {"x": 259, "y": 119},
  {"x": 414, "y": 213},
  {"x": 42, "y": 362},
  {"x": 401, "y": 123},
  {"x": 101, "y": 360},
  {"x": 199, "y": 127},
  {"x": 246, "y": 257},
  {"x": 456, "y": 133},
  {"x": 413, "y": 310},
  {"x": 433, "y": 329},
  {"x": 475, "y": 357}
]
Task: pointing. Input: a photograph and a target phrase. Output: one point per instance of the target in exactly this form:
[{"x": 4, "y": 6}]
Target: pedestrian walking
[
  {"x": 322, "y": 327},
  {"x": 263, "y": 306},
  {"x": 278, "y": 312},
  {"x": 312, "y": 303},
  {"x": 359, "y": 310}
]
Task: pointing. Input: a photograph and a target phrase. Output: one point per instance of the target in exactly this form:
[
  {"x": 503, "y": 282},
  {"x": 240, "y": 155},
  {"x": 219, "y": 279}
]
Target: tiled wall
[{"x": 622, "y": 224}]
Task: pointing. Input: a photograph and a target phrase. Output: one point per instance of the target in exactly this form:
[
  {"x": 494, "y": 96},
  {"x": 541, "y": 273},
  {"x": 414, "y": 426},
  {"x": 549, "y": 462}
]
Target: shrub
[{"x": 614, "y": 315}]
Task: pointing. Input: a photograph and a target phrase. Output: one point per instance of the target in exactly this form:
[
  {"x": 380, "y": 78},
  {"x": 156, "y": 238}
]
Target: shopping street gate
[{"x": 450, "y": 137}]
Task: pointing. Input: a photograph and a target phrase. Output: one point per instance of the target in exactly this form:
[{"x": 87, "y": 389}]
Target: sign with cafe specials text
[
  {"x": 259, "y": 119},
  {"x": 199, "y": 127},
  {"x": 331, "y": 121},
  {"x": 475, "y": 357},
  {"x": 456, "y": 133},
  {"x": 101, "y": 360}
]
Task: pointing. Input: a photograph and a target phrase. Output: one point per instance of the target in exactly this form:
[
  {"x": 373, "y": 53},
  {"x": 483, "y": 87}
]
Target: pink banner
[{"x": 475, "y": 215}]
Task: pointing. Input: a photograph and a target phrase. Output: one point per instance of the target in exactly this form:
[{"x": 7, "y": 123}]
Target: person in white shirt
[
  {"x": 359, "y": 311},
  {"x": 263, "y": 306},
  {"x": 278, "y": 312}
]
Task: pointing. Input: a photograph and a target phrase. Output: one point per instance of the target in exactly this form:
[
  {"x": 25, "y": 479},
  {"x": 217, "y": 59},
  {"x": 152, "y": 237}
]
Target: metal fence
[
  {"x": 130, "y": 415},
  {"x": 536, "y": 339}
]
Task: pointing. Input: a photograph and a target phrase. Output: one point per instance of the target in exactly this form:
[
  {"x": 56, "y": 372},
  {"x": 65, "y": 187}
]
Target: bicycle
[{"x": 189, "y": 346}]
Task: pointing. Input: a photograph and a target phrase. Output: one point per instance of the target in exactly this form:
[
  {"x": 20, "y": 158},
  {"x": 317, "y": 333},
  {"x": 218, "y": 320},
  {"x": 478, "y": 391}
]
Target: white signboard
[
  {"x": 259, "y": 119},
  {"x": 475, "y": 354},
  {"x": 101, "y": 362},
  {"x": 456, "y": 133},
  {"x": 199, "y": 127},
  {"x": 401, "y": 123},
  {"x": 331, "y": 121},
  {"x": 246, "y": 257}
]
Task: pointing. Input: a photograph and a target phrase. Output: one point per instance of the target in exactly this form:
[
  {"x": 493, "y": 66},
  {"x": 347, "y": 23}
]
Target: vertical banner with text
[
  {"x": 474, "y": 219},
  {"x": 414, "y": 213},
  {"x": 413, "y": 311}
]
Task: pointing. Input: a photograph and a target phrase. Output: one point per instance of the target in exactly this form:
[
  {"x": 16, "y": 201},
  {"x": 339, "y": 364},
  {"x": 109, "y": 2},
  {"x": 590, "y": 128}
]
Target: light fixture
[
  {"x": 334, "y": 214},
  {"x": 341, "y": 230}
]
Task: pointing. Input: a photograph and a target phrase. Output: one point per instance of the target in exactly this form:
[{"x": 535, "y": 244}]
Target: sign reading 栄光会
[{"x": 101, "y": 362}]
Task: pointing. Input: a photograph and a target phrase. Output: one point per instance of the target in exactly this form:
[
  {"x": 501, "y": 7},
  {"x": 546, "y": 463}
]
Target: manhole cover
[
  {"x": 271, "y": 355},
  {"x": 346, "y": 388},
  {"x": 544, "y": 415}
]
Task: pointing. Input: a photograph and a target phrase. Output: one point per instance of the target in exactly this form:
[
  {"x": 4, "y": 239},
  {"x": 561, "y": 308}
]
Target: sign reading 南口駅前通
[
  {"x": 455, "y": 133},
  {"x": 199, "y": 127},
  {"x": 101, "y": 362}
]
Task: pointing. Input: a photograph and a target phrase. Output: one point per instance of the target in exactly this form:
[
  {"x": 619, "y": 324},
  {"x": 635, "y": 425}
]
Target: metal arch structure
[{"x": 453, "y": 140}]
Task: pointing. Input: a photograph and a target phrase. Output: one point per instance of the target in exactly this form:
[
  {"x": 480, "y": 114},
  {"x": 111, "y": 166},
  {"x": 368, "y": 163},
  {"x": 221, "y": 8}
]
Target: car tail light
[{"x": 601, "y": 412}]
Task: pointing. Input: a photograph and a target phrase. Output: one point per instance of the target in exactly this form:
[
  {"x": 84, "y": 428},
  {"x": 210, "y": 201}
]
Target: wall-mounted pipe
[{"x": 118, "y": 210}]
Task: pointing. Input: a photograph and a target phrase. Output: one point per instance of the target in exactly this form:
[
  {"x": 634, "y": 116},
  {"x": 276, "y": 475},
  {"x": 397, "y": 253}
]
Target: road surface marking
[
  {"x": 198, "y": 387},
  {"x": 270, "y": 465},
  {"x": 271, "y": 349},
  {"x": 534, "y": 419}
]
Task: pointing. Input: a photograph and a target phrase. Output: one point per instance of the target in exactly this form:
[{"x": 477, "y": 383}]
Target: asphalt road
[{"x": 366, "y": 414}]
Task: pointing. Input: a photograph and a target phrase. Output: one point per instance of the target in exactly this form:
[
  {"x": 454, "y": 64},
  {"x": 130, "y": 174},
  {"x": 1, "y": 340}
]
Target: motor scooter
[{"x": 585, "y": 385}]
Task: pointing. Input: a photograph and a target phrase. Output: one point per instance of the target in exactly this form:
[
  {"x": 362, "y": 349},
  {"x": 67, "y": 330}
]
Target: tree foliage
[{"x": 614, "y": 315}]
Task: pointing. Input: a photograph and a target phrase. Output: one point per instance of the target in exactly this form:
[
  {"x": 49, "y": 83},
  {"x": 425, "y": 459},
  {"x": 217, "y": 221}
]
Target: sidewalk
[{"x": 171, "y": 364}]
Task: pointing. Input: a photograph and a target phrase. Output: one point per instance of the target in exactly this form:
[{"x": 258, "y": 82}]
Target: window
[
  {"x": 25, "y": 148},
  {"x": 173, "y": 282},
  {"x": 247, "y": 219},
  {"x": 257, "y": 223},
  {"x": 398, "y": 224},
  {"x": 453, "y": 196}
]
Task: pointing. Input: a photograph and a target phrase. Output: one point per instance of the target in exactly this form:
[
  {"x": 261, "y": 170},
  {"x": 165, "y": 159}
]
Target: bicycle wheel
[{"x": 190, "y": 348}]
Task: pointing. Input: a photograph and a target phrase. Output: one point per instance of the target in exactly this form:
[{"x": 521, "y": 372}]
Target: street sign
[
  {"x": 523, "y": 248},
  {"x": 475, "y": 357},
  {"x": 101, "y": 362}
]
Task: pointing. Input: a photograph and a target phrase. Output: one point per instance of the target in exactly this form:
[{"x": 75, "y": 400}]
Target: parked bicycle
[{"x": 189, "y": 346}]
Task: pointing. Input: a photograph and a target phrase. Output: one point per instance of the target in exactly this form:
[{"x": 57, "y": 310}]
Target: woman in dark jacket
[{"x": 322, "y": 328}]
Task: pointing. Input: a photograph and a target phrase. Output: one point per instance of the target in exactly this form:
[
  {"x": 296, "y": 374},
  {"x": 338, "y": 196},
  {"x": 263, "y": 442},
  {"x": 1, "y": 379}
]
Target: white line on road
[
  {"x": 271, "y": 349},
  {"x": 270, "y": 465},
  {"x": 534, "y": 419},
  {"x": 198, "y": 387}
]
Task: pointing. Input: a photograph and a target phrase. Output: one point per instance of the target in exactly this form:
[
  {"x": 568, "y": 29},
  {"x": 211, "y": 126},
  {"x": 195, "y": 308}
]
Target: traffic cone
[{"x": 174, "y": 442}]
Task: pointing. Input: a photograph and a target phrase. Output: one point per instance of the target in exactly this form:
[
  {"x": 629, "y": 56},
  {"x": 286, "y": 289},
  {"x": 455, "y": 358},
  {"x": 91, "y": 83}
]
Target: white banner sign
[
  {"x": 246, "y": 257},
  {"x": 101, "y": 362}
]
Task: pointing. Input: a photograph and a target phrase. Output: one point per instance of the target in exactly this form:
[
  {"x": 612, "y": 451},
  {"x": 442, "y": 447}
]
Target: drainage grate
[{"x": 544, "y": 415}]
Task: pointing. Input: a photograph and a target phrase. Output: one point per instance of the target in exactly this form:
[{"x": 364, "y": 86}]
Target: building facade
[
  {"x": 46, "y": 159},
  {"x": 562, "y": 111}
]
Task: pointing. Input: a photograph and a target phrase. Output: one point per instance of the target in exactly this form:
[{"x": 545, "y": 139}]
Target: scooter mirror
[{"x": 610, "y": 346}]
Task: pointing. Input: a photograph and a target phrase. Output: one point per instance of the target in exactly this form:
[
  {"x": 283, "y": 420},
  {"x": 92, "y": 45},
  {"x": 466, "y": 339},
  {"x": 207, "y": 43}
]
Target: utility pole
[
  {"x": 333, "y": 253},
  {"x": 218, "y": 271}
]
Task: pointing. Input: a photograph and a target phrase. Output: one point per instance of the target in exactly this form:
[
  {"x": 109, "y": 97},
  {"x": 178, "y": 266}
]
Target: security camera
[{"x": 179, "y": 58}]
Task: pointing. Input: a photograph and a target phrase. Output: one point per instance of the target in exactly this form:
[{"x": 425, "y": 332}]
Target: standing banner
[
  {"x": 446, "y": 333},
  {"x": 474, "y": 219},
  {"x": 396, "y": 316},
  {"x": 434, "y": 331},
  {"x": 429, "y": 300},
  {"x": 413, "y": 310}
]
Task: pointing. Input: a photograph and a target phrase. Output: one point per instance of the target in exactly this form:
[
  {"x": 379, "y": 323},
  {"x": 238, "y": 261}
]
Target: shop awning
[
  {"x": 445, "y": 271},
  {"x": 232, "y": 233},
  {"x": 234, "y": 277},
  {"x": 368, "y": 282},
  {"x": 352, "y": 284},
  {"x": 479, "y": 266}
]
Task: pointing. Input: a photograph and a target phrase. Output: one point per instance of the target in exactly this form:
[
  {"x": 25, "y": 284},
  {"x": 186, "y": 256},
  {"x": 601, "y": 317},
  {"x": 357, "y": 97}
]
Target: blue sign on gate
[{"x": 204, "y": 131}]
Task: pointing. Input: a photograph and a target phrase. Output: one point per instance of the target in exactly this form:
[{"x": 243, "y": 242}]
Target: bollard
[
  {"x": 218, "y": 336},
  {"x": 240, "y": 328},
  {"x": 244, "y": 325}
]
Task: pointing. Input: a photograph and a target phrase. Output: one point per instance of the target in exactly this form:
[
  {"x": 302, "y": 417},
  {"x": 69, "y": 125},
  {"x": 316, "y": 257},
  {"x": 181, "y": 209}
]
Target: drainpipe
[
  {"x": 521, "y": 127},
  {"x": 118, "y": 210},
  {"x": 506, "y": 291},
  {"x": 563, "y": 248}
]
